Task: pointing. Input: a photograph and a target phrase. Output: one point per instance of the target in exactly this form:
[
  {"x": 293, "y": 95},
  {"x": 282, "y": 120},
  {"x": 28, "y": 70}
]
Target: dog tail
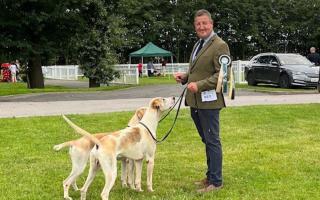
[
  {"x": 58, "y": 147},
  {"x": 82, "y": 131}
]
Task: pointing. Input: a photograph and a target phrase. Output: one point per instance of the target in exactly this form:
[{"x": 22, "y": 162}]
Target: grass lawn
[
  {"x": 145, "y": 80},
  {"x": 21, "y": 88},
  {"x": 270, "y": 152},
  {"x": 168, "y": 79}
]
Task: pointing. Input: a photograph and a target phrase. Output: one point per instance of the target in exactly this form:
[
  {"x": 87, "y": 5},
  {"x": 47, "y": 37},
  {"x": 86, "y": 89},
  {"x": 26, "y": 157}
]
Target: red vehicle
[{"x": 6, "y": 74}]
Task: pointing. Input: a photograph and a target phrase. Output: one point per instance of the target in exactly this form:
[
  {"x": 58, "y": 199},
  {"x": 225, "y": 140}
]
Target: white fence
[
  {"x": 129, "y": 72},
  {"x": 127, "y": 75},
  {"x": 169, "y": 69},
  {"x": 63, "y": 72},
  {"x": 238, "y": 68}
]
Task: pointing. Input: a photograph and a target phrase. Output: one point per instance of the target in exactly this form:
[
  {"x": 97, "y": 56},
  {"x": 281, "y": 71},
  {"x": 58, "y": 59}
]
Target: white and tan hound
[
  {"x": 133, "y": 142},
  {"x": 80, "y": 149}
]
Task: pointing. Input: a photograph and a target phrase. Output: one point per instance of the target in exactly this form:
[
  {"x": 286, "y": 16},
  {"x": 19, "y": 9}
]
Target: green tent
[{"x": 150, "y": 50}]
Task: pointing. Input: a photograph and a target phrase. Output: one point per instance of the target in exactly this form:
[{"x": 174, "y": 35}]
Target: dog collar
[{"x": 149, "y": 131}]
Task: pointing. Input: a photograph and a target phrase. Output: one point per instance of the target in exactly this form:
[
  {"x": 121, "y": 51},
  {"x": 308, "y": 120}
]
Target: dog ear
[
  {"x": 156, "y": 104},
  {"x": 140, "y": 113}
]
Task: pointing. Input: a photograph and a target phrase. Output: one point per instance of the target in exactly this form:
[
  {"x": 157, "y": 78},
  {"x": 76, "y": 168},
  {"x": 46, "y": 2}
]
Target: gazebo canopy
[{"x": 150, "y": 50}]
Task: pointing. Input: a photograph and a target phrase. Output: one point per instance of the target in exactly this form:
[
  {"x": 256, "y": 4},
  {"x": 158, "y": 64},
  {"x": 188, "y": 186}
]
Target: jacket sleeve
[
  {"x": 184, "y": 79},
  {"x": 210, "y": 83}
]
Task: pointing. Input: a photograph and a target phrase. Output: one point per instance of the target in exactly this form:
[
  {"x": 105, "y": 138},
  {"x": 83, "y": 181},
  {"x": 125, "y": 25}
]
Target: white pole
[
  {"x": 171, "y": 65},
  {"x": 137, "y": 76},
  {"x": 76, "y": 72}
]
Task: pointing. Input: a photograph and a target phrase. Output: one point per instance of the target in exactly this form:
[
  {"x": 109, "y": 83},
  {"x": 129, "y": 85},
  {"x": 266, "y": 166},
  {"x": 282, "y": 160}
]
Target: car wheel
[
  {"x": 250, "y": 79},
  {"x": 284, "y": 81}
]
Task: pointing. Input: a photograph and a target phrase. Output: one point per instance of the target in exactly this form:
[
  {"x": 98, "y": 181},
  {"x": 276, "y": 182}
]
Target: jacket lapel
[{"x": 204, "y": 48}]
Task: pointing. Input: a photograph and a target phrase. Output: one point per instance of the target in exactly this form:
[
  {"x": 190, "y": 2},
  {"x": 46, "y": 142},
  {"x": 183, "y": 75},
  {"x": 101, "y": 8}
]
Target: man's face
[
  {"x": 203, "y": 26},
  {"x": 312, "y": 50}
]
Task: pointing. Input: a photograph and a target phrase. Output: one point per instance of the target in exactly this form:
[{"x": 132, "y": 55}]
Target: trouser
[
  {"x": 207, "y": 123},
  {"x": 150, "y": 73}
]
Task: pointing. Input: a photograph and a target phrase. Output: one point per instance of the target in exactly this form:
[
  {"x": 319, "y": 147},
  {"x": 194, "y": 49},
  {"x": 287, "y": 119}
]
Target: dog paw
[
  {"x": 75, "y": 187},
  {"x": 83, "y": 195},
  {"x": 57, "y": 148},
  {"x": 124, "y": 185},
  {"x": 150, "y": 190},
  {"x": 139, "y": 190},
  {"x": 67, "y": 198},
  {"x": 131, "y": 186}
]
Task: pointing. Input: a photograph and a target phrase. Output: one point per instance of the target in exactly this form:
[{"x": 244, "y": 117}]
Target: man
[
  {"x": 140, "y": 69},
  {"x": 313, "y": 56},
  {"x": 150, "y": 68},
  {"x": 18, "y": 69},
  {"x": 202, "y": 78},
  {"x": 13, "y": 70}
]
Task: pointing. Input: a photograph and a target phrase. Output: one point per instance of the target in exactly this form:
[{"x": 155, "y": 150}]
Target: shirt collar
[{"x": 208, "y": 38}]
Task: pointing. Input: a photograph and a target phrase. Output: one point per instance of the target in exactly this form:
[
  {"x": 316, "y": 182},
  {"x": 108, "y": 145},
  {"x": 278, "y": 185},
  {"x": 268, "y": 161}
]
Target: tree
[
  {"x": 31, "y": 29},
  {"x": 101, "y": 35},
  {"x": 37, "y": 30},
  {"x": 96, "y": 59},
  {"x": 141, "y": 19},
  {"x": 34, "y": 30}
]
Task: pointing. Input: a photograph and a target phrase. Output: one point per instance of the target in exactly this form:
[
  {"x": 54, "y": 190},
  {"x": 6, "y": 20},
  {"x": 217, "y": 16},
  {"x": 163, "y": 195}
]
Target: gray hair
[{"x": 203, "y": 12}]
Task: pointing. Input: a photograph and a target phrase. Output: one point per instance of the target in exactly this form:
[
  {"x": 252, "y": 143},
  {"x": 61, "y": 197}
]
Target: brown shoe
[
  {"x": 209, "y": 188},
  {"x": 203, "y": 182}
]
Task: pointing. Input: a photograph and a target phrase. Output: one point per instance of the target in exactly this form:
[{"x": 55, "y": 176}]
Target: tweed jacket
[{"x": 204, "y": 70}]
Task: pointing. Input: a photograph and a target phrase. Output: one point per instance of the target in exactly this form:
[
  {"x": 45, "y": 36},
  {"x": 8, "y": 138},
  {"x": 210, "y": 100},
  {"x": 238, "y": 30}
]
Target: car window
[
  {"x": 293, "y": 59},
  {"x": 273, "y": 59},
  {"x": 263, "y": 60},
  {"x": 254, "y": 59}
]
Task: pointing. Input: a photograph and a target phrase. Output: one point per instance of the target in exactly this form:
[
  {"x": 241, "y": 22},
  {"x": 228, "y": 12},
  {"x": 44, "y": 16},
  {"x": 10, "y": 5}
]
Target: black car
[{"x": 285, "y": 70}]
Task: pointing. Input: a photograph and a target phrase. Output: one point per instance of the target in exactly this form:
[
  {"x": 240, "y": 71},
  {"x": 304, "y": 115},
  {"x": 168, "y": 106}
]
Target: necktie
[{"x": 199, "y": 47}]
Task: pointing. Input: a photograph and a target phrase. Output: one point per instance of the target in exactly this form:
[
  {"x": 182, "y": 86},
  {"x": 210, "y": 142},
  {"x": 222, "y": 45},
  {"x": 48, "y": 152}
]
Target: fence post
[
  {"x": 124, "y": 78},
  {"x": 67, "y": 68},
  {"x": 53, "y": 71},
  {"x": 239, "y": 71},
  {"x": 137, "y": 76}
]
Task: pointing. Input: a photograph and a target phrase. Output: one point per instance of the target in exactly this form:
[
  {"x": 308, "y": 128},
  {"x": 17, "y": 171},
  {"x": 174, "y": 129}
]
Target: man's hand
[
  {"x": 192, "y": 87},
  {"x": 179, "y": 77}
]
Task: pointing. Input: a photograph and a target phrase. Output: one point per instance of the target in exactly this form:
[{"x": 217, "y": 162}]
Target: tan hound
[
  {"x": 80, "y": 149},
  {"x": 133, "y": 142}
]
